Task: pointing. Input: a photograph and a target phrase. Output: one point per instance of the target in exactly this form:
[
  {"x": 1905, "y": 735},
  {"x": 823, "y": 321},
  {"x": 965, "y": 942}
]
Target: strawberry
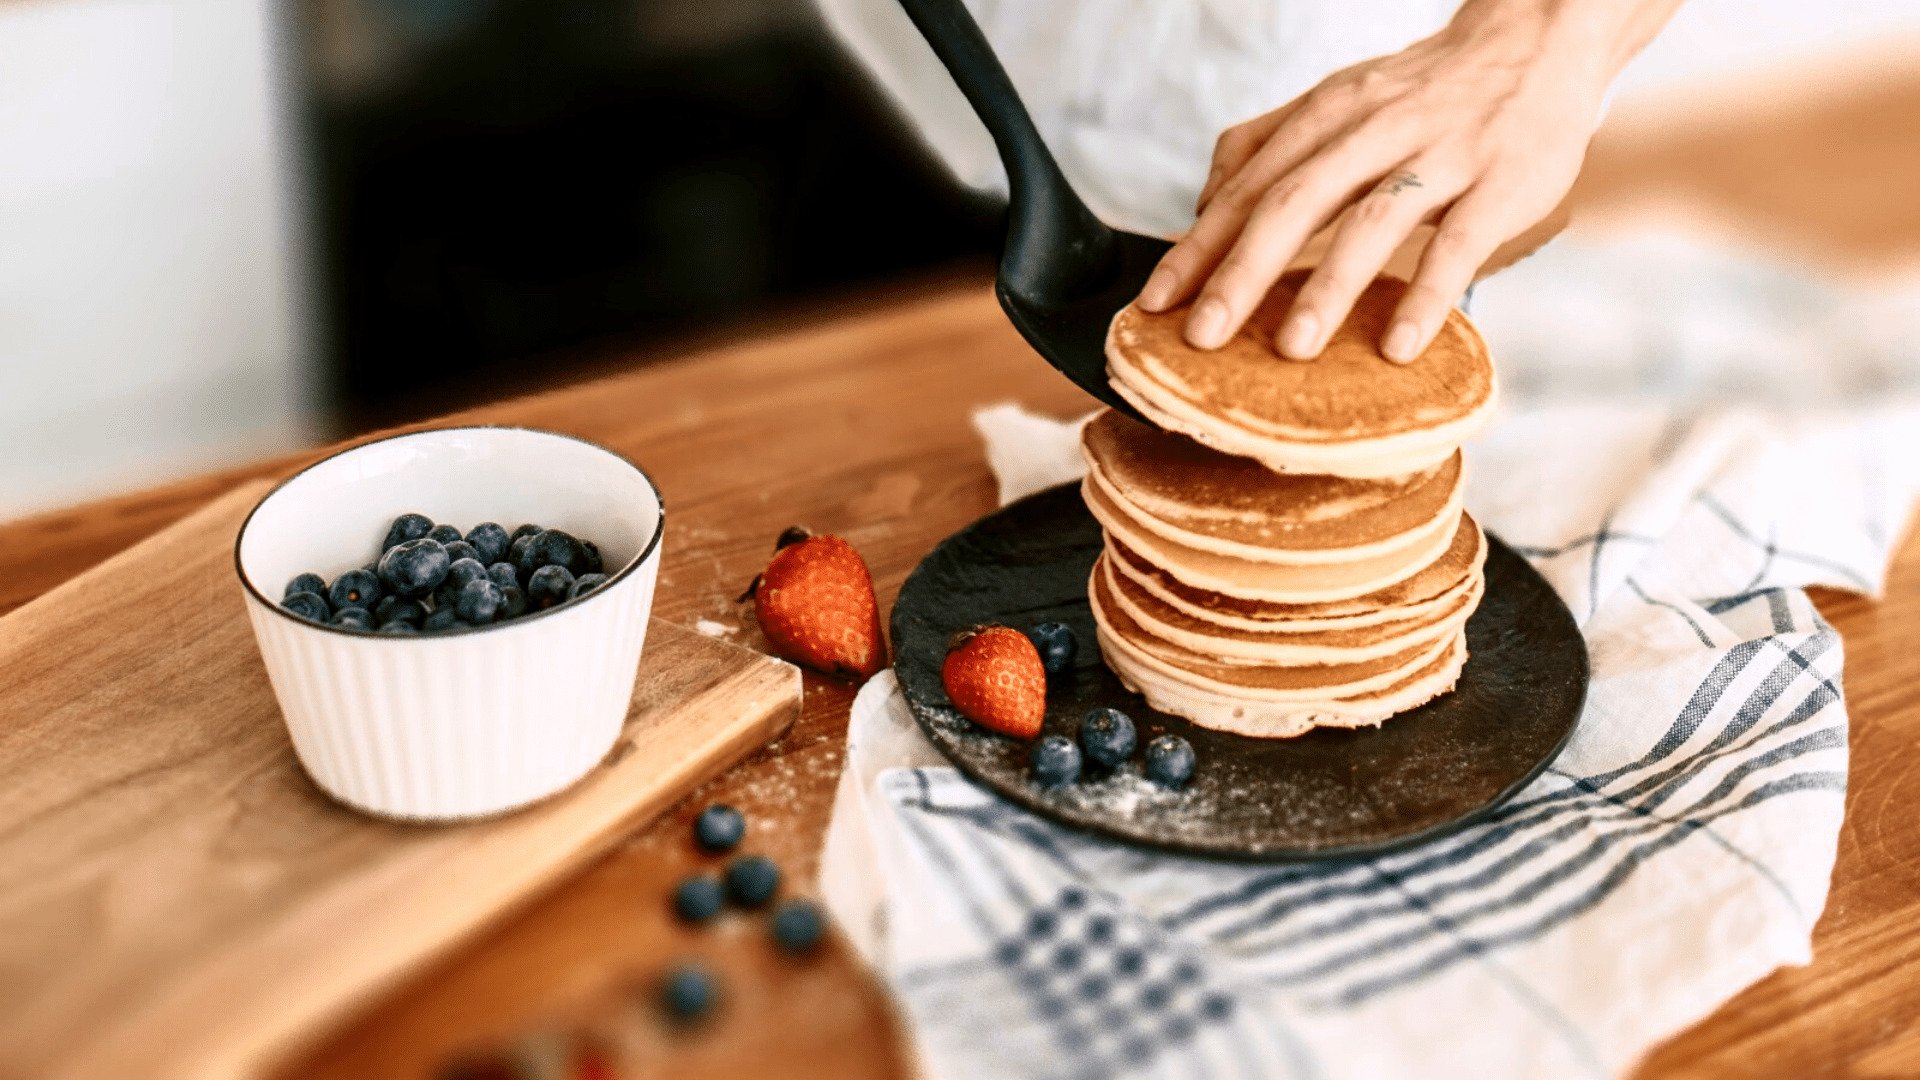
[
  {"x": 815, "y": 604},
  {"x": 994, "y": 677}
]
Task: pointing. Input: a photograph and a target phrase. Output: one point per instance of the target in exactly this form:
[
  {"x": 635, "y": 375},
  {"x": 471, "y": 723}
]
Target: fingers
[
  {"x": 1237, "y": 145},
  {"x": 1373, "y": 229},
  {"x": 1468, "y": 235}
]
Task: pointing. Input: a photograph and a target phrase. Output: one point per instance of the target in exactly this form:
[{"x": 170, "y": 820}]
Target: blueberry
[
  {"x": 353, "y": 618},
  {"x": 479, "y": 602},
  {"x": 548, "y": 586},
  {"x": 460, "y": 549},
  {"x": 517, "y": 555},
  {"x": 1169, "y": 760},
  {"x": 594, "y": 565},
  {"x": 719, "y": 827},
  {"x": 513, "y": 602},
  {"x": 308, "y": 605},
  {"x": 504, "y": 575},
  {"x": 1056, "y": 761},
  {"x": 490, "y": 540},
  {"x": 312, "y": 583},
  {"x": 688, "y": 992},
  {"x": 553, "y": 548},
  {"x": 524, "y": 531},
  {"x": 392, "y": 609},
  {"x": 442, "y": 619},
  {"x": 699, "y": 898},
  {"x": 1056, "y": 645},
  {"x": 797, "y": 926},
  {"x": 446, "y": 534},
  {"x": 585, "y": 584},
  {"x": 355, "y": 588},
  {"x": 404, "y": 528},
  {"x": 397, "y": 627},
  {"x": 752, "y": 879},
  {"x": 462, "y": 572},
  {"x": 415, "y": 567},
  {"x": 1107, "y": 736}
]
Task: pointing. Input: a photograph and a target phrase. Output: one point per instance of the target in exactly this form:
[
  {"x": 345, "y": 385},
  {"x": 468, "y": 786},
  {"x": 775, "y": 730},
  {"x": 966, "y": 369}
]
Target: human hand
[{"x": 1478, "y": 130}]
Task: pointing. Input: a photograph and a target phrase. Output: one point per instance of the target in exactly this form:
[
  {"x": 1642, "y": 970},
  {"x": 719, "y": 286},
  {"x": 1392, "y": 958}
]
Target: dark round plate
[{"x": 1326, "y": 794}]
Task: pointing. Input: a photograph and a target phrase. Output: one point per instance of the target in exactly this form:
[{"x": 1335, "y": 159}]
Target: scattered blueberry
[
  {"x": 442, "y": 619},
  {"x": 1169, "y": 760},
  {"x": 585, "y": 584},
  {"x": 1107, "y": 736},
  {"x": 308, "y": 605},
  {"x": 490, "y": 541},
  {"x": 504, "y": 575},
  {"x": 513, "y": 602},
  {"x": 354, "y": 589},
  {"x": 397, "y": 627},
  {"x": 404, "y": 528},
  {"x": 548, "y": 586},
  {"x": 460, "y": 549},
  {"x": 415, "y": 567},
  {"x": 446, "y": 534},
  {"x": 688, "y": 992},
  {"x": 1056, "y": 761},
  {"x": 353, "y": 618},
  {"x": 528, "y": 529},
  {"x": 797, "y": 926},
  {"x": 312, "y": 583},
  {"x": 719, "y": 827},
  {"x": 699, "y": 898},
  {"x": 594, "y": 565},
  {"x": 752, "y": 879},
  {"x": 479, "y": 602},
  {"x": 1055, "y": 643}
]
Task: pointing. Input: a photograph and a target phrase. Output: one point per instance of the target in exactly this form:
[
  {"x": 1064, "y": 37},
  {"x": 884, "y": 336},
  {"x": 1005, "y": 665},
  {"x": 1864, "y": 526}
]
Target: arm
[{"x": 1479, "y": 130}]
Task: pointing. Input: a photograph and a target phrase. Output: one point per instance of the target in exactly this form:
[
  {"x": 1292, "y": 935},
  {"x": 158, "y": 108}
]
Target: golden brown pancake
[
  {"x": 1349, "y": 412},
  {"x": 1445, "y": 579},
  {"x": 1236, "y": 505}
]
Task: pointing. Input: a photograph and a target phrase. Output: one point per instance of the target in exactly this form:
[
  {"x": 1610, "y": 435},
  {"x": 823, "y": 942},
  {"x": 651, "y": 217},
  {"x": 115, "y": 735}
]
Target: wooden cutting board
[{"x": 177, "y": 898}]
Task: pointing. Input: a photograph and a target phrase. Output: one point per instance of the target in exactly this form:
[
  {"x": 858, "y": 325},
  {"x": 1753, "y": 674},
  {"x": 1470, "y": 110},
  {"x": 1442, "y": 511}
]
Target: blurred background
[{"x": 233, "y": 227}]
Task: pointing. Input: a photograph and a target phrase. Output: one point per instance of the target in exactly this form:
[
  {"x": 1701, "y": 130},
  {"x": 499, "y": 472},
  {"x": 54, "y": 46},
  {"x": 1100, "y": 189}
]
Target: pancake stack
[{"x": 1291, "y": 551}]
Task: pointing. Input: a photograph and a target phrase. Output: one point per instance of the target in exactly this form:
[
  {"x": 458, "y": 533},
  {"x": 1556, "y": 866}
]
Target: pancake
[
  {"x": 1284, "y": 645},
  {"x": 1277, "y": 583},
  {"x": 1284, "y": 720},
  {"x": 1270, "y": 683},
  {"x": 1351, "y": 412},
  {"x": 1437, "y": 584},
  {"x": 1216, "y": 502}
]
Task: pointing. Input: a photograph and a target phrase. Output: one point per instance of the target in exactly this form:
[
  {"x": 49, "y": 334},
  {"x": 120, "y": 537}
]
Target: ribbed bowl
[{"x": 471, "y": 722}]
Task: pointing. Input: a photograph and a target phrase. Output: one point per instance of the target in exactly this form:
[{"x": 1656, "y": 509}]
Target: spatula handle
[{"x": 1056, "y": 249}]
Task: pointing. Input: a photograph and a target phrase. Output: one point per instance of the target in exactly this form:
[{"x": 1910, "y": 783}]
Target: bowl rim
[{"x": 652, "y": 545}]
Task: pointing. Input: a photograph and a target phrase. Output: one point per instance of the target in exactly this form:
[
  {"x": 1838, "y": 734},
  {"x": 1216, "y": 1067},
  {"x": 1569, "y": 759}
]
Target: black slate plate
[{"x": 1326, "y": 794}]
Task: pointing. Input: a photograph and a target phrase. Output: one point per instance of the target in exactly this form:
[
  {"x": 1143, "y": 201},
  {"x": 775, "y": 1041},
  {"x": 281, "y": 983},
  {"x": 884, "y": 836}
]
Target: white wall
[{"x": 147, "y": 319}]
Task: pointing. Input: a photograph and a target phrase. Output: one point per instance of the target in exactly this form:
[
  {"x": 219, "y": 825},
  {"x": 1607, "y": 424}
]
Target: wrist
[{"x": 1578, "y": 46}]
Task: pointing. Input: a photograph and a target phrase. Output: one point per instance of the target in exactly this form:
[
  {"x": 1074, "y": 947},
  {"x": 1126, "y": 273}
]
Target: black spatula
[{"x": 1064, "y": 274}]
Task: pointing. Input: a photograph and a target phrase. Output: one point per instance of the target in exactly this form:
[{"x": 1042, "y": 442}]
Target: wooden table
[{"x": 859, "y": 426}]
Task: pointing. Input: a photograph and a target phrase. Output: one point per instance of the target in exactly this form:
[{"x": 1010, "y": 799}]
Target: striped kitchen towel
[{"x": 1679, "y": 849}]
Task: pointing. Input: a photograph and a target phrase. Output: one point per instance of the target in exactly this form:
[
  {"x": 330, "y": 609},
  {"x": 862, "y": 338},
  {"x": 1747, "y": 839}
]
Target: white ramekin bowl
[{"x": 469, "y": 722}]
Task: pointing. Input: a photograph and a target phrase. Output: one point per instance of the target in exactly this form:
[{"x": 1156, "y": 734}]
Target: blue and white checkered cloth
[{"x": 1679, "y": 849}]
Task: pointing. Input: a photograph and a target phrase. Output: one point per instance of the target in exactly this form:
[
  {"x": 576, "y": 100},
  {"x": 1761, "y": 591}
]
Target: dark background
[{"x": 510, "y": 192}]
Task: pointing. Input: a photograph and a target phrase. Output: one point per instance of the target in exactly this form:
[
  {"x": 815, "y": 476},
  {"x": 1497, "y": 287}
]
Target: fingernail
[
  {"x": 1207, "y": 326},
  {"x": 1299, "y": 338},
  {"x": 1403, "y": 342},
  {"x": 1159, "y": 291}
]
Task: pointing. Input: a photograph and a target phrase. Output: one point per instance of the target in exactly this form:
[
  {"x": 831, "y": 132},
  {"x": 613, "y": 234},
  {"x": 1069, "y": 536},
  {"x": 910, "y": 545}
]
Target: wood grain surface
[
  {"x": 859, "y": 425},
  {"x": 177, "y": 898}
]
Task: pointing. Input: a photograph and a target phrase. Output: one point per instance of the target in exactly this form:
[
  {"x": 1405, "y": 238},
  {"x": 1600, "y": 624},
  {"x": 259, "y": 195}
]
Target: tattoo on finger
[{"x": 1399, "y": 182}]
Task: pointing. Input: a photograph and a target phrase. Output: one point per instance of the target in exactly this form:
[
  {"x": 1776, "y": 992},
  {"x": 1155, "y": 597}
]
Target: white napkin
[{"x": 1679, "y": 849}]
